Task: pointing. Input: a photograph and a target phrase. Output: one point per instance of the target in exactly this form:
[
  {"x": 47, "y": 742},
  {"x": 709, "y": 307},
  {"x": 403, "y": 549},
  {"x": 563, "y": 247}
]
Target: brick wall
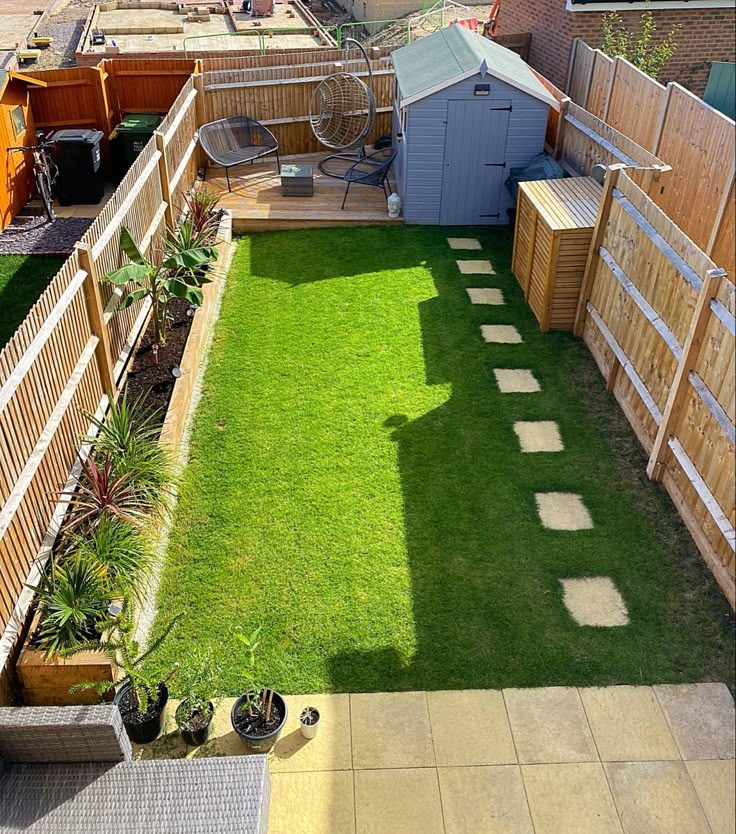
[{"x": 706, "y": 35}]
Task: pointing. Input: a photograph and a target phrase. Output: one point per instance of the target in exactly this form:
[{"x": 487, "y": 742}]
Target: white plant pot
[{"x": 310, "y": 730}]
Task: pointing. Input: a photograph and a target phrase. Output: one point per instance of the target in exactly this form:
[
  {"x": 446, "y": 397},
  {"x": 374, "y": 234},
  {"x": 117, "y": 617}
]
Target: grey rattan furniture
[
  {"x": 239, "y": 139},
  {"x": 68, "y": 770},
  {"x": 370, "y": 170}
]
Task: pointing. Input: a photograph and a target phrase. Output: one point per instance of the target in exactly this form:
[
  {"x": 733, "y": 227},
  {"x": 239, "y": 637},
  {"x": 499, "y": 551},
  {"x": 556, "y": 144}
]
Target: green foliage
[
  {"x": 73, "y": 599},
  {"x": 125, "y": 651},
  {"x": 22, "y": 280},
  {"x": 128, "y": 437},
  {"x": 201, "y": 209},
  {"x": 178, "y": 275},
  {"x": 196, "y": 684},
  {"x": 119, "y": 551},
  {"x": 639, "y": 48}
]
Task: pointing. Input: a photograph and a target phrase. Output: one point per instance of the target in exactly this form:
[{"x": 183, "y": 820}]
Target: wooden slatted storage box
[{"x": 554, "y": 226}]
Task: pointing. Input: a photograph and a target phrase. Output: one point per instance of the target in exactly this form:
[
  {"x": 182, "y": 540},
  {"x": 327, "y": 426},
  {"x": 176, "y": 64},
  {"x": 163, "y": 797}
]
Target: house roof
[{"x": 455, "y": 53}]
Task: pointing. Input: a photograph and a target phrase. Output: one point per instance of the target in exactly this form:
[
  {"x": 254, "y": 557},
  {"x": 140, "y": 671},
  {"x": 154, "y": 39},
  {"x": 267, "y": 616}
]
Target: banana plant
[{"x": 179, "y": 275}]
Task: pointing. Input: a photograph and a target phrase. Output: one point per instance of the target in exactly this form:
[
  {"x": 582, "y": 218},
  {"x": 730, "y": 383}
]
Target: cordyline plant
[
  {"x": 201, "y": 210},
  {"x": 638, "y": 49},
  {"x": 178, "y": 275}
]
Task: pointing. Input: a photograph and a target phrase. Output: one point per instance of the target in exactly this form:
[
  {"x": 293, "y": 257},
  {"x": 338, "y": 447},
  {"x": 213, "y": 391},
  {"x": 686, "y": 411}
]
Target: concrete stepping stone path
[
  {"x": 475, "y": 267},
  {"x": 594, "y": 601},
  {"x": 485, "y": 295},
  {"x": 539, "y": 436},
  {"x": 463, "y": 243},
  {"x": 516, "y": 381},
  {"x": 563, "y": 511},
  {"x": 500, "y": 334}
]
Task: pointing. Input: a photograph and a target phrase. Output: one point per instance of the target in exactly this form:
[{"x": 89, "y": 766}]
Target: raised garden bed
[{"x": 46, "y": 681}]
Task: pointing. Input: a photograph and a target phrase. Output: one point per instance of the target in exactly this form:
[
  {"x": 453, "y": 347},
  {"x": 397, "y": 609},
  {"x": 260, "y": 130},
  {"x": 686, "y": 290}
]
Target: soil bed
[
  {"x": 255, "y": 725},
  {"x": 154, "y": 381},
  {"x": 197, "y": 721}
]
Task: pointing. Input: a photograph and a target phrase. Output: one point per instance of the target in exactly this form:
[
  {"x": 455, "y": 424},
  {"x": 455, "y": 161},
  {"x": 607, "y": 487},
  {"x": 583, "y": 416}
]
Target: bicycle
[{"x": 45, "y": 173}]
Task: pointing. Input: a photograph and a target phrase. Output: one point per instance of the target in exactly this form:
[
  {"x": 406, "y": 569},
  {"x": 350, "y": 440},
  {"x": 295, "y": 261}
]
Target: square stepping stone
[
  {"x": 312, "y": 803},
  {"x": 500, "y": 334},
  {"x": 655, "y": 798},
  {"x": 475, "y": 267},
  {"x": 329, "y": 750},
  {"x": 485, "y": 295},
  {"x": 549, "y": 725},
  {"x": 484, "y": 741},
  {"x": 484, "y": 800},
  {"x": 516, "y": 381},
  {"x": 391, "y": 729},
  {"x": 714, "y": 783},
  {"x": 539, "y": 436},
  {"x": 628, "y": 724},
  {"x": 570, "y": 799},
  {"x": 594, "y": 601},
  {"x": 701, "y": 717},
  {"x": 403, "y": 801},
  {"x": 563, "y": 511},
  {"x": 463, "y": 243}
]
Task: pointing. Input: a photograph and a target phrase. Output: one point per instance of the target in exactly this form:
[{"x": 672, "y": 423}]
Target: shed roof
[{"x": 455, "y": 53}]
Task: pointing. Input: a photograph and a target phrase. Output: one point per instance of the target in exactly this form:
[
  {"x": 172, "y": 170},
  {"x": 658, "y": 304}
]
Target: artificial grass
[
  {"x": 22, "y": 280},
  {"x": 357, "y": 489}
]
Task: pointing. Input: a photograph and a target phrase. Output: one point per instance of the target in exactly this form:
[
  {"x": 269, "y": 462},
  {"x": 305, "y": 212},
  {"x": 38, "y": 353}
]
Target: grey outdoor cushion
[{"x": 176, "y": 796}]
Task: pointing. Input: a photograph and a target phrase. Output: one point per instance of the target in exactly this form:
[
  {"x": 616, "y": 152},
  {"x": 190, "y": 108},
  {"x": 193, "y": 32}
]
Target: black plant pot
[
  {"x": 259, "y": 744},
  {"x": 146, "y": 730},
  {"x": 195, "y": 738}
]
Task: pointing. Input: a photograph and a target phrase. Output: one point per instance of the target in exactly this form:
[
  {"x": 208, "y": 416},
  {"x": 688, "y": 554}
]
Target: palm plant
[
  {"x": 176, "y": 276},
  {"x": 128, "y": 437},
  {"x": 73, "y": 600}
]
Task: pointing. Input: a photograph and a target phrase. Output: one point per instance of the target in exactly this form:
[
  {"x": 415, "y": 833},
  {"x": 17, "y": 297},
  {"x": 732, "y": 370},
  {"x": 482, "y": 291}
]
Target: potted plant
[
  {"x": 259, "y": 714},
  {"x": 143, "y": 694},
  {"x": 309, "y": 722},
  {"x": 196, "y": 687}
]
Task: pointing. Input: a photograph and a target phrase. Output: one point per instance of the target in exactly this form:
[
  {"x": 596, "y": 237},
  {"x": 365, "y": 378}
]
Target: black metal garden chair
[
  {"x": 239, "y": 139},
  {"x": 370, "y": 170}
]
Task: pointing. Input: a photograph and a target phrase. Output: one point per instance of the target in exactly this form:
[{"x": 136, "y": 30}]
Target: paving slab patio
[
  {"x": 516, "y": 381},
  {"x": 485, "y": 295},
  {"x": 503, "y": 334},
  {"x": 563, "y": 511},
  {"x": 594, "y": 601},
  {"x": 538, "y": 436},
  {"x": 446, "y": 762}
]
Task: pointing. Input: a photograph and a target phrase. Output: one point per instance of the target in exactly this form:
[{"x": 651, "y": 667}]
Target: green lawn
[
  {"x": 357, "y": 489},
  {"x": 22, "y": 280}
]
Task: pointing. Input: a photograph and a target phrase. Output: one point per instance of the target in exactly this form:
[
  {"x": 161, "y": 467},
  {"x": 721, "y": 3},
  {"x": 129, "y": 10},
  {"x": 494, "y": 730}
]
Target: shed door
[{"x": 474, "y": 163}]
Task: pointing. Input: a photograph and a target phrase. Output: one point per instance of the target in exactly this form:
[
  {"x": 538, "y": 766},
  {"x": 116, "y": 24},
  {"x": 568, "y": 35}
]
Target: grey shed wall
[{"x": 419, "y": 163}]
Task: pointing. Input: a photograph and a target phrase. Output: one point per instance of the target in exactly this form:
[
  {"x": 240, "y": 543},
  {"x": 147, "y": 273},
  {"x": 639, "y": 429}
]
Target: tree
[{"x": 647, "y": 56}]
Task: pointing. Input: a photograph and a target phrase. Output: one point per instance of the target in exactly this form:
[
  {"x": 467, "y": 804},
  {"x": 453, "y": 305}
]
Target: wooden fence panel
[
  {"x": 179, "y": 143},
  {"x": 72, "y": 98},
  {"x": 148, "y": 86},
  {"x": 700, "y": 145},
  {"x": 582, "y": 59},
  {"x": 658, "y": 317},
  {"x": 641, "y": 123},
  {"x": 600, "y": 85}
]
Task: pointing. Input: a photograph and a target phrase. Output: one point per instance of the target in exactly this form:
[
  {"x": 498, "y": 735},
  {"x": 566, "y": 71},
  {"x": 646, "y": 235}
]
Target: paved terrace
[{"x": 558, "y": 760}]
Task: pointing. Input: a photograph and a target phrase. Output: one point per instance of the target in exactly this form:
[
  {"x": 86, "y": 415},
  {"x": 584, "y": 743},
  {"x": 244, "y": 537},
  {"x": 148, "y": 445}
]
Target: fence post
[
  {"x": 163, "y": 173},
  {"x": 601, "y": 222},
  {"x": 680, "y": 382},
  {"x": 728, "y": 193},
  {"x": 96, "y": 313},
  {"x": 571, "y": 65},
  {"x": 662, "y": 119},
  {"x": 564, "y": 107},
  {"x": 199, "y": 100}
]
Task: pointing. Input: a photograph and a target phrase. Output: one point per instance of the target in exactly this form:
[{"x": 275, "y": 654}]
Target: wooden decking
[{"x": 257, "y": 204}]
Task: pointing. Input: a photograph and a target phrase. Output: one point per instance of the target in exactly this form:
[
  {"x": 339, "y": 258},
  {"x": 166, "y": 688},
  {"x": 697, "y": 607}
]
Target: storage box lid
[
  {"x": 83, "y": 136},
  {"x": 143, "y": 122}
]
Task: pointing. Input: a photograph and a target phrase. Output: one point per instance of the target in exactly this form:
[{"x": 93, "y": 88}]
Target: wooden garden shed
[{"x": 466, "y": 111}]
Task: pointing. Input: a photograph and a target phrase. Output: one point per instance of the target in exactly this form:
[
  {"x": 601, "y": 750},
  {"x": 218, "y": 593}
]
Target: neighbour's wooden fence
[
  {"x": 698, "y": 142},
  {"x": 98, "y": 97},
  {"x": 658, "y": 316},
  {"x": 280, "y": 96},
  {"x": 71, "y": 353}
]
